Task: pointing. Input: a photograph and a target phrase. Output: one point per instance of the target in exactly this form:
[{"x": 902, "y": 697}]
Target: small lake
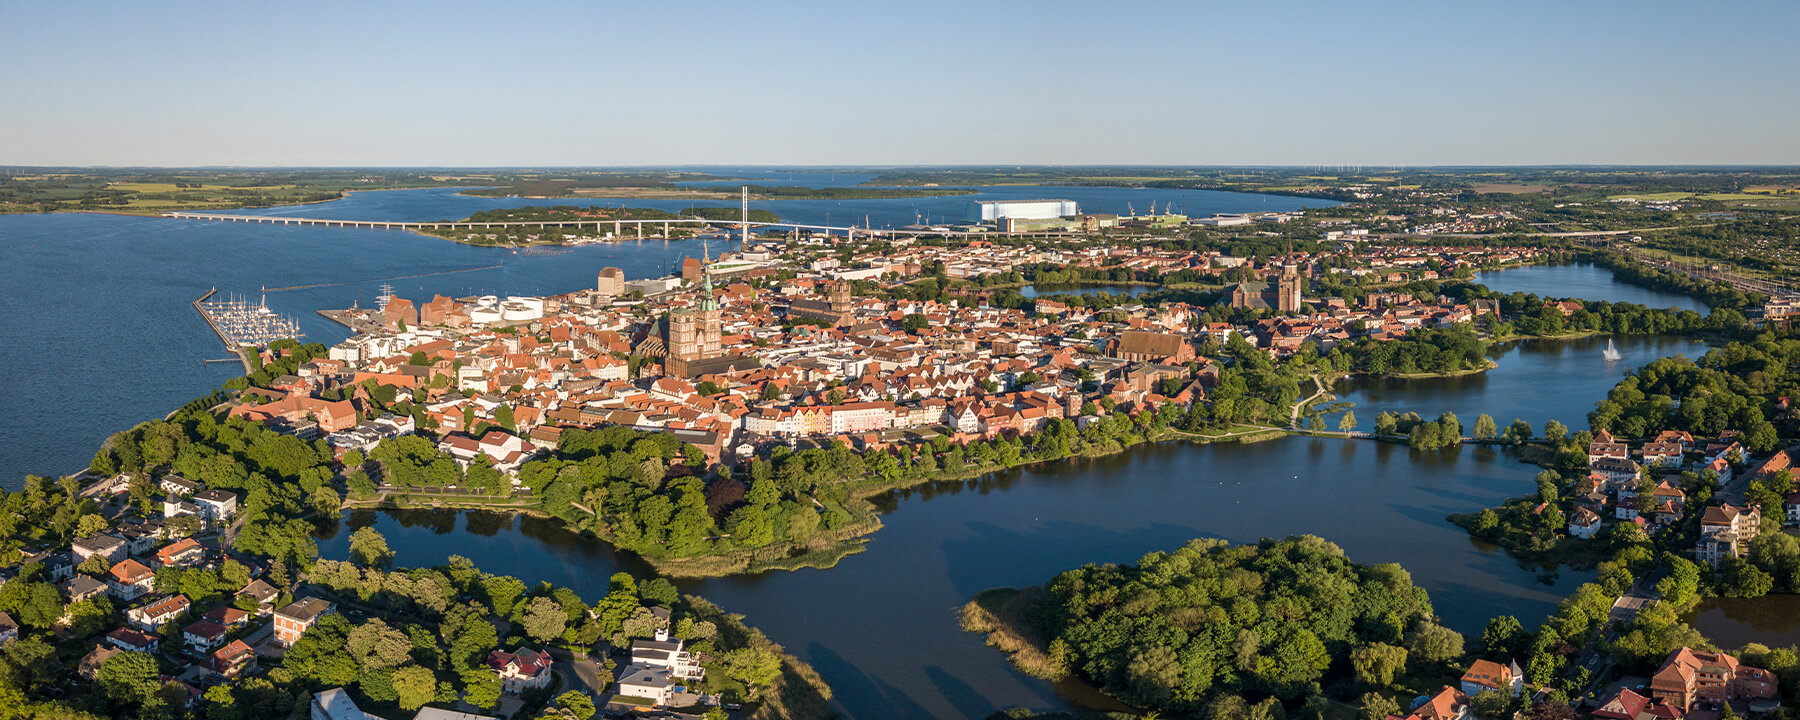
[
  {"x": 1536, "y": 380},
  {"x": 1585, "y": 281},
  {"x": 1731, "y": 623},
  {"x": 881, "y": 626}
]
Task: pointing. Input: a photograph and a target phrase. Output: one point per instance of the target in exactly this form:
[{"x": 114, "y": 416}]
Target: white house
[
  {"x": 1584, "y": 524},
  {"x": 651, "y": 683},
  {"x": 217, "y": 505}
]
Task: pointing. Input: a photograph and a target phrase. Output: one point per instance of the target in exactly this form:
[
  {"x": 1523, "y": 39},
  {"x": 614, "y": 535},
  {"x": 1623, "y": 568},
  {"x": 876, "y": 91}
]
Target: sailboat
[{"x": 1612, "y": 352}]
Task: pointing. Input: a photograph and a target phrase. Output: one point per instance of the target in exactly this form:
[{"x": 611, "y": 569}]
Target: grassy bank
[
  {"x": 1489, "y": 365},
  {"x": 1007, "y": 617}
]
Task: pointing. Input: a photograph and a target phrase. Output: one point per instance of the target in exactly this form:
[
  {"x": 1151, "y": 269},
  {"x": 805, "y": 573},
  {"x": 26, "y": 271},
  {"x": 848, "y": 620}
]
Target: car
[{"x": 734, "y": 706}]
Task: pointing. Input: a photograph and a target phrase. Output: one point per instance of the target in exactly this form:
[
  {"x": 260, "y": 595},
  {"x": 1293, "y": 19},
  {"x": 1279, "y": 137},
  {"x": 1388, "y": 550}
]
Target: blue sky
[{"x": 632, "y": 83}]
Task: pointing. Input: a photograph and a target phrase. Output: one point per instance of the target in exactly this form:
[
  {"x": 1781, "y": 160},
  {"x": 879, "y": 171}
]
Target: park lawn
[{"x": 1652, "y": 197}]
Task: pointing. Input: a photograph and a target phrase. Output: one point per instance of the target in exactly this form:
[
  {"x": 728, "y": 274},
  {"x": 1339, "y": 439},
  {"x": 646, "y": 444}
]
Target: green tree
[
  {"x": 544, "y": 619},
  {"x": 415, "y": 687},
  {"x": 369, "y": 549},
  {"x": 501, "y": 591},
  {"x": 131, "y": 678},
  {"x": 577, "y": 704},
  {"x": 90, "y": 525},
  {"x": 1377, "y": 663},
  {"x": 1490, "y": 704},
  {"x": 1485, "y": 429},
  {"x": 1503, "y": 636},
  {"x": 1347, "y": 423},
  {"x": 1435, "y": 643},
  {"x": 1376, "y": 706},
  {"x": 482, "y": 689},
  {"x": 755, "y": 667},
  {"x": 1555, "y": 431}
]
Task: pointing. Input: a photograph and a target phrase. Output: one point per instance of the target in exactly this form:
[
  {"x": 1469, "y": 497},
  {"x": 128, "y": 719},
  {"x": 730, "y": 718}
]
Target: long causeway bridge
[{"x": 618, "y": 226}]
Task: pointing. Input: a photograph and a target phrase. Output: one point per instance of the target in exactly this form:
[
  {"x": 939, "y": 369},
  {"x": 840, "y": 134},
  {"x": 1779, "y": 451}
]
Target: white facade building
[{"x": 995, "y": 210}]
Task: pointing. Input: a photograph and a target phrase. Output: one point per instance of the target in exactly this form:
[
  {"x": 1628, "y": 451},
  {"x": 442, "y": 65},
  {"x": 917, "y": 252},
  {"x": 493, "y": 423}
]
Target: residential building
[
  {"x": 650, "y": 683},
  {"x": 521, "y": 669},
  {"x": 178, "y": 485},
  {"x": 295, "y": 618},
  {"x": 233, "y": 659},
  {"x": 665, "y": 653},
  {"x": 263, "y": 593},
  {"x": 1486, "y": 675},
  {"x": 1628, "y": 705},
  {"x": 217, "y": 505},
  {"x": 131, "y": 640},
  {"x": 1584, "y": 523},
  {"x": 154, "y": 615},
  {"x": 107, "y": 546},
  {"x": 1696, "y": 677},
  {"x": 181, "y": 553},
  {"x": 1448, "y": 704},
  {"x": 129, "y": 580},
  {"x": 203, "y": 635}
]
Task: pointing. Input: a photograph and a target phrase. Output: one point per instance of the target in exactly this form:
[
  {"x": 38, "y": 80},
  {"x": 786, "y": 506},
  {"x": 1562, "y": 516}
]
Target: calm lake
[
  {"x": 1583, "y": 281},
  {"x": 881, "y": 626},
  {"x": 1773, "y": 620}
]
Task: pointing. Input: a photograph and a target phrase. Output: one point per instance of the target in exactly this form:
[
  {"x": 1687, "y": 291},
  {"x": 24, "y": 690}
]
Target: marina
[{"x": 240, "y": 323}]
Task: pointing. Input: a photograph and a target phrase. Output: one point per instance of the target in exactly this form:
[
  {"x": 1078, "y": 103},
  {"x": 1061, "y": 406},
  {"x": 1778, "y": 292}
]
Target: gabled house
[
  {"x": 1628, "y": 705},
  {"x": 521, "y": 669},
  {"x": 203, "y": 635},
  {"x": 154, "y": 615},
  {"x": 232, "y": 660},
  {"x": 1448, "y": 704},
  {"x": 263, "y": 593},
  {"x": 131, "y": 640}
]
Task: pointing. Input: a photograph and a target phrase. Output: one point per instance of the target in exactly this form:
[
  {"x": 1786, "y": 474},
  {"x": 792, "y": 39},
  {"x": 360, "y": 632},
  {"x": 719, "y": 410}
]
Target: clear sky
[{"x": 906, "y": 82}]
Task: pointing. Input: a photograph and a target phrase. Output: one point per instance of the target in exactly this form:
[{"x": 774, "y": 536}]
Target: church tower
[
  {"x": 710, "y": 334},
  {"x": 1287, "y": 289},
  {"x": 840, "y": 298}
]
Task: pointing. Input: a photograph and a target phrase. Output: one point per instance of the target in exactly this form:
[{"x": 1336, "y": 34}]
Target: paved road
[{"x": 588, "y": 676}]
